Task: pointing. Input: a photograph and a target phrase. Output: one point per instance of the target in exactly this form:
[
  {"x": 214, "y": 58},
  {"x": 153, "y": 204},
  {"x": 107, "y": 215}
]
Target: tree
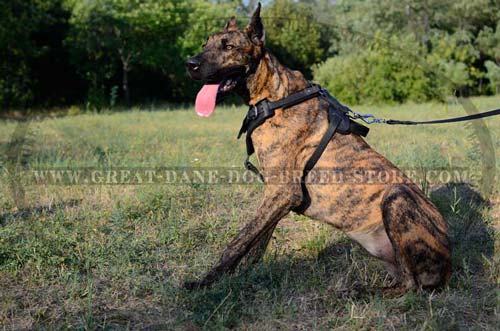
[
  {"x": 378, "y": 74},
  {"x": 124, "y": 33},
  {"x": 493, "y": 75},
  {"x": 31, "y": 33},
  {"x": 488, "y": 42},
  {"x": 15, "y": 52},
  {"x": 110, "y": 44},
  {"x": 293, "y": 34}
]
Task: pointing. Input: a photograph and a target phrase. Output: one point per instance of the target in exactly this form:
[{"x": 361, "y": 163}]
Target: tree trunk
[
  {"x": 427, "y": 29},
  {"x": 126, "y": 91}
]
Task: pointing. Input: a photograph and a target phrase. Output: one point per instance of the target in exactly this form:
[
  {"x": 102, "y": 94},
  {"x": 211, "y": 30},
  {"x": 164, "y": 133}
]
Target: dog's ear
[
  {"x": 231, "y": 24},
  {"x": 255, "y": 29}
]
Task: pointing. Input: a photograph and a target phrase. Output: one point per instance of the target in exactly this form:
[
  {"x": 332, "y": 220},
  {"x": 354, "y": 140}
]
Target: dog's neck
[{"x": 272, "y": 80}]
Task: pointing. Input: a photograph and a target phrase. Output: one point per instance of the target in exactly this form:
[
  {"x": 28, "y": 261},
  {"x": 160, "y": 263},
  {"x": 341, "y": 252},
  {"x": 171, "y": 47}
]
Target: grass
[{"x": 114, "y": 257}]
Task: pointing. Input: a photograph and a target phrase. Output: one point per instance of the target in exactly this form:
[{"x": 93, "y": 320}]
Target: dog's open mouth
[
  {"x": 227, "y": 85},
  {"x": 211, "y": 93}
]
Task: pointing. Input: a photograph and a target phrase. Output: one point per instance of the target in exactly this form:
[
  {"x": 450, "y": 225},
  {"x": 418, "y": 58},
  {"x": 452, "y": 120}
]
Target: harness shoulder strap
[{"x": 336, "y": 120}]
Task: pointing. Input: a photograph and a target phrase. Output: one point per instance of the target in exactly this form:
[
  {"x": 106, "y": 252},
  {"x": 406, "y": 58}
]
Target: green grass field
[{"x": 114, "y": 257}]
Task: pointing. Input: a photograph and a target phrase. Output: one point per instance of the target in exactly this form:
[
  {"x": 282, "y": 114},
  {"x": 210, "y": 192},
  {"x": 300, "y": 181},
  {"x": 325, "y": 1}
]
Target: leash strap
[
  {"x": 370, "y": 118},
  {"x": 447, "y": 120}
]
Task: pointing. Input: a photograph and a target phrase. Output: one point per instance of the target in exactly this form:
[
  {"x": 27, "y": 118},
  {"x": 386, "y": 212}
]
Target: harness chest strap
[{"x": 337, "y": 118}]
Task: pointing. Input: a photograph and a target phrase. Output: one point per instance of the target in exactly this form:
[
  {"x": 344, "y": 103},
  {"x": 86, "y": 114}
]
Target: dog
[{"x": 394, "y": 221}]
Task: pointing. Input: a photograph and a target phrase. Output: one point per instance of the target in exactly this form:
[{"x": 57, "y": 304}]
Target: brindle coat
[{"x": 394, "y": 222}]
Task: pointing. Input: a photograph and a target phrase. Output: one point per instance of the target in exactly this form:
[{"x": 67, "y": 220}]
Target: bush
[
  {"x": 380, "y": 73},
  {"x": 292, "y": 34},
  {"x": 493, "y": 76}
]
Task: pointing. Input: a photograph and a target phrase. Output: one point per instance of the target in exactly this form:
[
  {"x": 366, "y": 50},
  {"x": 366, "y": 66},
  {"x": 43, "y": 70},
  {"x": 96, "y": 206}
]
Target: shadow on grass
[
  {"x": 282, "y": 286},
  {"x": 471, "y": 237},
  {"x": 36, "y": 210},
  {"x": 328, "y": 291},
  {"x": 289, "y": 287}
]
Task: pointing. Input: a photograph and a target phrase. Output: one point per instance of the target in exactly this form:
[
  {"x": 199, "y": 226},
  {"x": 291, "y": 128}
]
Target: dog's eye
[{"x": 229, "y": 47}]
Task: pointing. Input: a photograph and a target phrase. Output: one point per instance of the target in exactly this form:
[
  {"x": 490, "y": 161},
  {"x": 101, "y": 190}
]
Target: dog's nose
[{"x": 193, "y": 64}]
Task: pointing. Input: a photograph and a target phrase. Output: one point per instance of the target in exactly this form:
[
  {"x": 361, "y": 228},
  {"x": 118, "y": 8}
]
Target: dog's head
[{"x": 227, "y": 58}]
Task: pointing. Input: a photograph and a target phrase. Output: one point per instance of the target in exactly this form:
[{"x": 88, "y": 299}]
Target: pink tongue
[{"x": 205, "y": 100}]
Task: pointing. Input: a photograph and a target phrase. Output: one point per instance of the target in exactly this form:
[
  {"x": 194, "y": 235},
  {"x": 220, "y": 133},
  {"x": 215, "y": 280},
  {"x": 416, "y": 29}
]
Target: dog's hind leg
[
  {"x": 278, "y": 201},
  {"x": 377, "y": 243},
  {"x": 418, "y": 234}
]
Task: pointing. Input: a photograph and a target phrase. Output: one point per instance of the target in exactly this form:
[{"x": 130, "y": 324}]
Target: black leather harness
[{"x": 338, "y": 119}]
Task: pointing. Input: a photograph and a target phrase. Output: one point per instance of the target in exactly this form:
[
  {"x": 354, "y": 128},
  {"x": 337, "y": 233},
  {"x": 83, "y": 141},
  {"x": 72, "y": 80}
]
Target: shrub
[
  {"x": 378, "y": 74},
  {"x": 493, "y": 76}
]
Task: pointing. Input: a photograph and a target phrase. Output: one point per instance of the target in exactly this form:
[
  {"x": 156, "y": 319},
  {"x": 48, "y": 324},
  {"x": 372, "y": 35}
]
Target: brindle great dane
[{"x": 394, "y": 222}]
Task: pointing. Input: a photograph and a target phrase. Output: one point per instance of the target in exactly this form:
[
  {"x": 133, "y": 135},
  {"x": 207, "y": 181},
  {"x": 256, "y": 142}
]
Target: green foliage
[
  {"x": 120, "y": 34},
  {"x": 488, "y": 42},
  {"x": 20, "y": 22},
  {"x": 380, "y": 73},
  {"x": 96, "y": 98},
  {"x": 70, "y": 51},
  {"x": 204, "y": 18},
  {"x": 451, "y": 41},
  {"x": 292, "y": 33},
  {"x": 113, "y": 96},
  {"x": 454, "y": 57},
  {"x": 493, "y": 75}
]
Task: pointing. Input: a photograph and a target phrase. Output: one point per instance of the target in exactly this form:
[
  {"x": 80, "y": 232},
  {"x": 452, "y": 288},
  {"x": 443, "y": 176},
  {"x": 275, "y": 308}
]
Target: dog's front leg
[
  {"x": 258, "y": 249},
  {"x": 278, "y": 201}
]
